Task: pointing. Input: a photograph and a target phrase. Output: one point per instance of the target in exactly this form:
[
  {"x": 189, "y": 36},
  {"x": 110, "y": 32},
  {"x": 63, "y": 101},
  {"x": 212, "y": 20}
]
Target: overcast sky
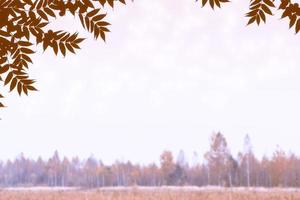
[{"x": 169, "y": 75}]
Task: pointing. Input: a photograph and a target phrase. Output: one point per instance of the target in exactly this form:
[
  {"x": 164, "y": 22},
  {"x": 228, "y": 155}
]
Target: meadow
[{"x": 164, "y": 193}]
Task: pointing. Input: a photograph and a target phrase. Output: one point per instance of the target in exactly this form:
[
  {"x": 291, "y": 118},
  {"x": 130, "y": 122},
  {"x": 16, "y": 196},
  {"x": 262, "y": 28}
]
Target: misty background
[{"x": 169, "y": 74}]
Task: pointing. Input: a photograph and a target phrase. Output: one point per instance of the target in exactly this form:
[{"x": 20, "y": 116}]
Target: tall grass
[{"x": 153, "y": 194}]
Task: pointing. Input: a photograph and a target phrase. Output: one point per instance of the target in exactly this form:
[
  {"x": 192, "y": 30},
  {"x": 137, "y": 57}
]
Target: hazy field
[{"x": 141, "y": 193}]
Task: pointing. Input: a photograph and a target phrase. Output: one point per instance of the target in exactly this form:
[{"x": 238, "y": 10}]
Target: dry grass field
[{"x": 150, "y": 194}]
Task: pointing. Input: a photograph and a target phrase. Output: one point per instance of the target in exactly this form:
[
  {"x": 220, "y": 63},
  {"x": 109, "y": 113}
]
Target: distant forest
[{"x": 219, "y": 168}]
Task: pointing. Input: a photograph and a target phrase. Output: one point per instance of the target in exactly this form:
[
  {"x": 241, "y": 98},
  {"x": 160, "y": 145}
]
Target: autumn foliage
[
  {"x": 218, "y": 167},
  {"x": 260, "y": 9},
  {"x": 23, "y": 25}
]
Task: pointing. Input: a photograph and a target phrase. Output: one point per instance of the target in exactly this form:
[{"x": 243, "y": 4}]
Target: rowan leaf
[
  {"x": 293, "y": 20},
  {"x": 30, "y": 87},
  {"x": 297, "y": 28},
  {"x": 19, "y": 88},
  {"x": 8, "y": 78},
  {"x": 13, "y": 84},
  {"x": 26, "y": 50},
  {"x": 4, "y": 69},
  {"x": 62, "y": 48},
  {"x": 204, "y": 2},
  {"x": 262, "y": 16},
  {"x": 269, "y": 3},
  {"x": 266, "y": 9}
]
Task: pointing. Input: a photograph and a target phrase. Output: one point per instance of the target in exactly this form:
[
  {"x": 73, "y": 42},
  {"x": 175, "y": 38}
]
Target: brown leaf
[
  {"x": 55, "y": 47},
  {"x": 4, "y": 33},
  {"x": 42, "y": 14},
  {"x": 82, "y": 20},
  {"x": 212, "y": 3},
  {"x": 87, "y": 23},
  {"x": 104, "y": 29},
  {"x": 25, "y": 89},
  {"x": 19, "y": 88},
  {"x": 252, "y": 13},
  {"x": 29, "y": 87},
  {"x": 217, "y": 2},
  {"x": 287, "y": 12},
  {"x": 293, "y": 20},
  {"x": 269, "y": 3},
  {"x": 98, "y": 17},
  {"x": 72, "y": 38},
  {"x": 283, "y": 5},
  {"x": 4, "y": 69},
  {"x": 62, "y": 48},
  {"x": 26, "y": 50},
  {"x": 74, "y": 45},
  {"x": 46, "y": 43},
  {"x": 70, "y": 48},
  {"x": 88, "y": 3},
  {"x": 257, "y": 6},
  {"x": 297, "y": 26},
  {"x": 103, "y": 23},
  {"x": 79, "y": 40},
  {"x": 13, "y": 84},
  {"x": 26, "y": 33},
  {"x": 24, "y": 43},
  {"x": 204, "y": 2},
  {"x": 255, "y": 2},
  {"x": 40, "y": 4},
  {"x": 49, "y": 12},
  {"x": 27, "y": 58},
  {"x": 102, "y": 34},
  {"x": 266, "y": 9},
  {"x": 262, "y": 15},
  {"x": 92, "y": 13},
  {"x": 65, "y": 37},
  {"x": 257, "y": 19},
  {"x": 29, "y": 2},
  {"x": 111, "y": 3},
  {"x": 8, "y": 78}
]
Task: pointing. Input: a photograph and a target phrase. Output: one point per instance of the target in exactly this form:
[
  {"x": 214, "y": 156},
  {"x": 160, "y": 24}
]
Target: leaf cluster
[
  {"x": 292, "y": 12},
  {"x": 260, "y": 9},
  {"x": 24, "y": 25},
  {"x": 214, "y": 3}
]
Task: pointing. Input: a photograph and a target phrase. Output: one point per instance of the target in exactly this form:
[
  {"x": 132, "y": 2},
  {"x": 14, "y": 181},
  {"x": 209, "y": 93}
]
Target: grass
[{"x": 150, "y": 194}]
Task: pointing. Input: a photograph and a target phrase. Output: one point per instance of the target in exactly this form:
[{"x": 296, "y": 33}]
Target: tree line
[{"x": 219, "y": 167}]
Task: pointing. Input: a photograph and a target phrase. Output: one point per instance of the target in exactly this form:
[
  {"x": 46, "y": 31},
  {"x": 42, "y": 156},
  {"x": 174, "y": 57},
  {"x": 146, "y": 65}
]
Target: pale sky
[{"x": 169, "y": 75}]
